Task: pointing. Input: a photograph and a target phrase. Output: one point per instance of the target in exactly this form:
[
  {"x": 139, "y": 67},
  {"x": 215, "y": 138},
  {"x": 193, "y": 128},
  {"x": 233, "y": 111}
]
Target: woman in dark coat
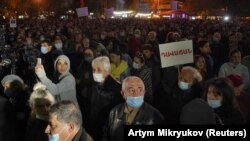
[{"x": 220, "y": 96}]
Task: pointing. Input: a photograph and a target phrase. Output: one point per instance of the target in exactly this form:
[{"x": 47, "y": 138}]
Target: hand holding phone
[{"x": 39, "y": 61}]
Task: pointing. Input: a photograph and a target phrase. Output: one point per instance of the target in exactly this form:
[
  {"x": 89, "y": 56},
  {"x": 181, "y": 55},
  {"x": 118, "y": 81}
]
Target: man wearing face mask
[
  {"x": 58, "y": 44},
  {"x": 187, "y": 88},
  {"x": 65, "y": 123},
  {"x": 48, "y": 55},
  {"x": 104, "y": 95},
  {"x": 133, "y": 112}
]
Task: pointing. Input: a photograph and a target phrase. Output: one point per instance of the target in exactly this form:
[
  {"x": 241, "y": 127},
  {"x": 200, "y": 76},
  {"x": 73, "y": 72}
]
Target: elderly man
[
  {"x": 104, "y": 95},
  {"x": 65, "y": 123},
  {"x": 133, "y": 112},
  {"x": 187, "y": 89}
]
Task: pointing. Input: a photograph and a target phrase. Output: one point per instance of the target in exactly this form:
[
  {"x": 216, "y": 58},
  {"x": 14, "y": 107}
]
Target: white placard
[
  {"x": 176, "y": 53},
  {"x": 13, "y": 23},
  {"x": 83, "y": 11}
]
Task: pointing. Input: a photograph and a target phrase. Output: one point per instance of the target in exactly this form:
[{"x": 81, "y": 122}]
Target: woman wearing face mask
[
  {"x": 63, "y": 86},
  {"x": 141, "y": 70},
  {"x": 220, "y": 96}
]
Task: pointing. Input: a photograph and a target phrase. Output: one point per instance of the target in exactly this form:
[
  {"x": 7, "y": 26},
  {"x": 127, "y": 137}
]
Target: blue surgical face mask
[
  {"x": 135, "y": 102},
  {"x": 44, "y": 50},
  {"x": 183, "y": 85},
  {"x": 214, "y": 103},
  {"x": 55, "y": 137},
  {"x": 58, "y": 46}
]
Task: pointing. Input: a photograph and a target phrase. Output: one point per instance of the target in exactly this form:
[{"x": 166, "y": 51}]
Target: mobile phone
[{"x": 39, "y": 61}]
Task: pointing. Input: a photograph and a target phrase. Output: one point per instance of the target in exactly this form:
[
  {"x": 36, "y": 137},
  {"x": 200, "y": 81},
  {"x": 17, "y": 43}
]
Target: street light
[{"x": 226, "y": 18}]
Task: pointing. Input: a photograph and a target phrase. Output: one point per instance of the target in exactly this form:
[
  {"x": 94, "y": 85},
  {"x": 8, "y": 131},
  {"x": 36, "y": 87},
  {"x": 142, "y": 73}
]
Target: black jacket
[
  {"x": 35, "y": 130},
  {"x": 7, "y": 121},
  {"x": 147, "y": 115},
  {"x": 177, "y": 99},
  {"x": 82, "y": 135},
  {"x": 103, "y": 99},
  {"x": 229, "y": 115}
]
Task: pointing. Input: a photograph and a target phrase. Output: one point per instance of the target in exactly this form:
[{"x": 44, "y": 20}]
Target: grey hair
[
  {"x": 103, "y": 60},
  {"x": 67, "y": 112},
  {"x": 40, "y": 92},
  {"x": 124, "y": 82},
  {"x": 196, "y": 74}
]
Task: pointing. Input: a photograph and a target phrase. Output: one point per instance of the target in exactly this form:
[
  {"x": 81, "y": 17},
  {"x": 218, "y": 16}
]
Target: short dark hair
[
  {"x": 201, "y": 43},
  {"x": 67, "y": 112},
  {"x": 49, "y": 43},
  {"x": 115, "y": 50},
  {"x": 147, "y": 47},
  {"x": 232, "y": 52}
]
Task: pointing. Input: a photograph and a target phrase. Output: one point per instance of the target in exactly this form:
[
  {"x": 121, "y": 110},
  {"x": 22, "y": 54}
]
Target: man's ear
[
  {"x": 71, "y": 127},
  {"x": 123, "y": 95}
]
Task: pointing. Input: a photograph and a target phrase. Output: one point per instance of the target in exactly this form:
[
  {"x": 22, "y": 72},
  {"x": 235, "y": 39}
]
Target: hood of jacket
[{"x": 65, "y": 58}]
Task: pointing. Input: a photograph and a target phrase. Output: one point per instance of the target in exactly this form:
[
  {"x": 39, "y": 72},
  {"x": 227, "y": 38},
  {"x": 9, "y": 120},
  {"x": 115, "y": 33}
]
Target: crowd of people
[{"x": 97, "y": 75}]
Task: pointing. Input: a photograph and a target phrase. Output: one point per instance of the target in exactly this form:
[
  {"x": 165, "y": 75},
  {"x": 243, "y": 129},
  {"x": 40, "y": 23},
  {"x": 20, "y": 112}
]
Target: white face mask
[
  {"x": 136, "y": 66},
  {"x": 98, "y": 77}
]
